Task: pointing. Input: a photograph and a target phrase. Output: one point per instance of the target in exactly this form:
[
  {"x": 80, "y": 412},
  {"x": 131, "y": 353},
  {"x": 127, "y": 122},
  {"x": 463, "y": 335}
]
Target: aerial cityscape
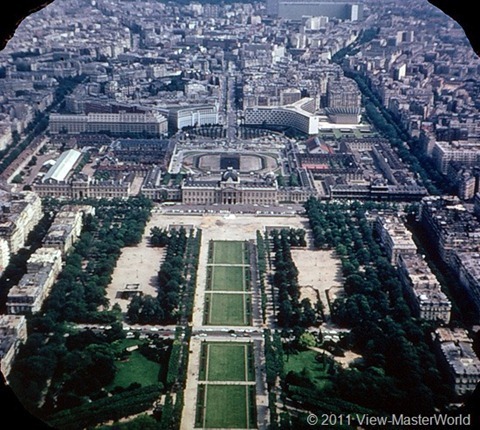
[{"x": 240, "y": 215}]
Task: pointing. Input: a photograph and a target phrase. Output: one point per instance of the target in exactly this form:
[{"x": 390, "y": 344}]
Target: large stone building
[
  {"x": 450, "y": 226},
  {"x": 423, "y": 292},
  {"x": 395, "y": 237},
  {"x": 229, "y": 189},
  {"x": 344, "y": 101},
  {"x": 136, "y": 152},
  {"x": 420, "y": 285},
  {"x": 146, "y": 123},
  {"x": 66, "y": 227},
  {"x": 455, "y": 232},
  {"x": 461, "y": 364},
  {"x": 28, "y": 295},
  {"x": 153, "y": 188},
  {"x": 82, "y": 186},
  {"x": 466, "y": 266},
  {"x": 19, "y": 214},
  {"x": 465, "y": 153}
]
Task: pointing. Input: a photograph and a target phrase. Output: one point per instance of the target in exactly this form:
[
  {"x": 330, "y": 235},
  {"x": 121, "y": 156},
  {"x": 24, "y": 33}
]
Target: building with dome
[{"x": 230, "y": 189}]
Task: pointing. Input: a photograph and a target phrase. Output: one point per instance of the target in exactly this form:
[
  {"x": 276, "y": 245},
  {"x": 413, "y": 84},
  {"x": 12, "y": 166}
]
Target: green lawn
[
  {"x": 228, "y": 252},
  {"x": 227, "y": 278},
  {"x": 227, "y": 309},
  {"x": 226, "y": 406},
  {"x": 227, "y": 361},
  {"x": 306, "y": 359},
  {"x": 136, "y": 368}
]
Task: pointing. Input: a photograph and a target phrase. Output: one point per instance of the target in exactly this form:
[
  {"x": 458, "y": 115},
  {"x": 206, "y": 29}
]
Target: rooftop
[{"x": 63, "y": 166}]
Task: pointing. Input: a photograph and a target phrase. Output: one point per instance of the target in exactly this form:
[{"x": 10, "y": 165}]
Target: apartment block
[
  {"x": 28, "y": 295},
  {"x": 66, "y": 228},
  {"x": 395, "y": 237},
  {"x": 460, "y": 363},
  {"x": 449, "y": 224},
  {"x": 423, "y": 292},
  {"x": 19, "y": 214}
]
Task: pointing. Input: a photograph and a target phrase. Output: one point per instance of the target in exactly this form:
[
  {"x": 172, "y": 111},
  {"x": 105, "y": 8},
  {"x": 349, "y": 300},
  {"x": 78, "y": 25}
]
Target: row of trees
[
  {"x": 274, "y": 371},
  {"x": 412, "y": 154},
  {"x": 399, "y": 371},
  {"x": 390, "y": 127},
  {"x": 176, "y": 280},
  {"x": 191, "y": 267},
  {"x": 79, "y": 294},
  {"x": 176, "y": 380},
  {"x": 158, "y": 237},
  {"x": 262, "y": 271},
  {"x": 109, "y": 408},
  {"x": 291, "y": 311},
  {"x": 164, "y": 308},
  {"x": 38, "y": 125},
  {"x": 46, "y": 366}
]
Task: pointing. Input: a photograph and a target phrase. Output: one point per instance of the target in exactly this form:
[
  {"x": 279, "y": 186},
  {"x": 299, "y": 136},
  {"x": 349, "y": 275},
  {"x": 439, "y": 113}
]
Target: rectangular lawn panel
[
  {"x": 227, "y": 406},
  {"x": 226, "y": 362},
  {"x": 227, "y": 278},
  {"x": 227, "y": 309},
  {"x": 228, "y": 252}
]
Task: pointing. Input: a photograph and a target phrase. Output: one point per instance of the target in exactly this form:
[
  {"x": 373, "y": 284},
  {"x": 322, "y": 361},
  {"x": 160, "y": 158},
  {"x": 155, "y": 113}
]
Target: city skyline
[{"x": 298, "y": 183}]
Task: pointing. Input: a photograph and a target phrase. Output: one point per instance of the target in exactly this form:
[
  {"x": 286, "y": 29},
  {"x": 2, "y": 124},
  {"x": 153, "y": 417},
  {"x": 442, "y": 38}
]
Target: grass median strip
[
  {"x": 227, "y": 278},
  {"x": 227, "y": 309},
  {"x": 228, "y": 252}
]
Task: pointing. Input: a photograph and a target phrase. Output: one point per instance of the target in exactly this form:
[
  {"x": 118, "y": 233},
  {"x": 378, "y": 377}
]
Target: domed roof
[{"x": 230, "y": 175}]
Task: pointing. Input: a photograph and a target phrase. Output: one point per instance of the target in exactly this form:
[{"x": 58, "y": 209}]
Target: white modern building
[
  {"x": 192, "y": 116},
  {"x": 298, "y": 115},
  {"x": 296, "y": 9},
  {"x": 466, "y": 153}
]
